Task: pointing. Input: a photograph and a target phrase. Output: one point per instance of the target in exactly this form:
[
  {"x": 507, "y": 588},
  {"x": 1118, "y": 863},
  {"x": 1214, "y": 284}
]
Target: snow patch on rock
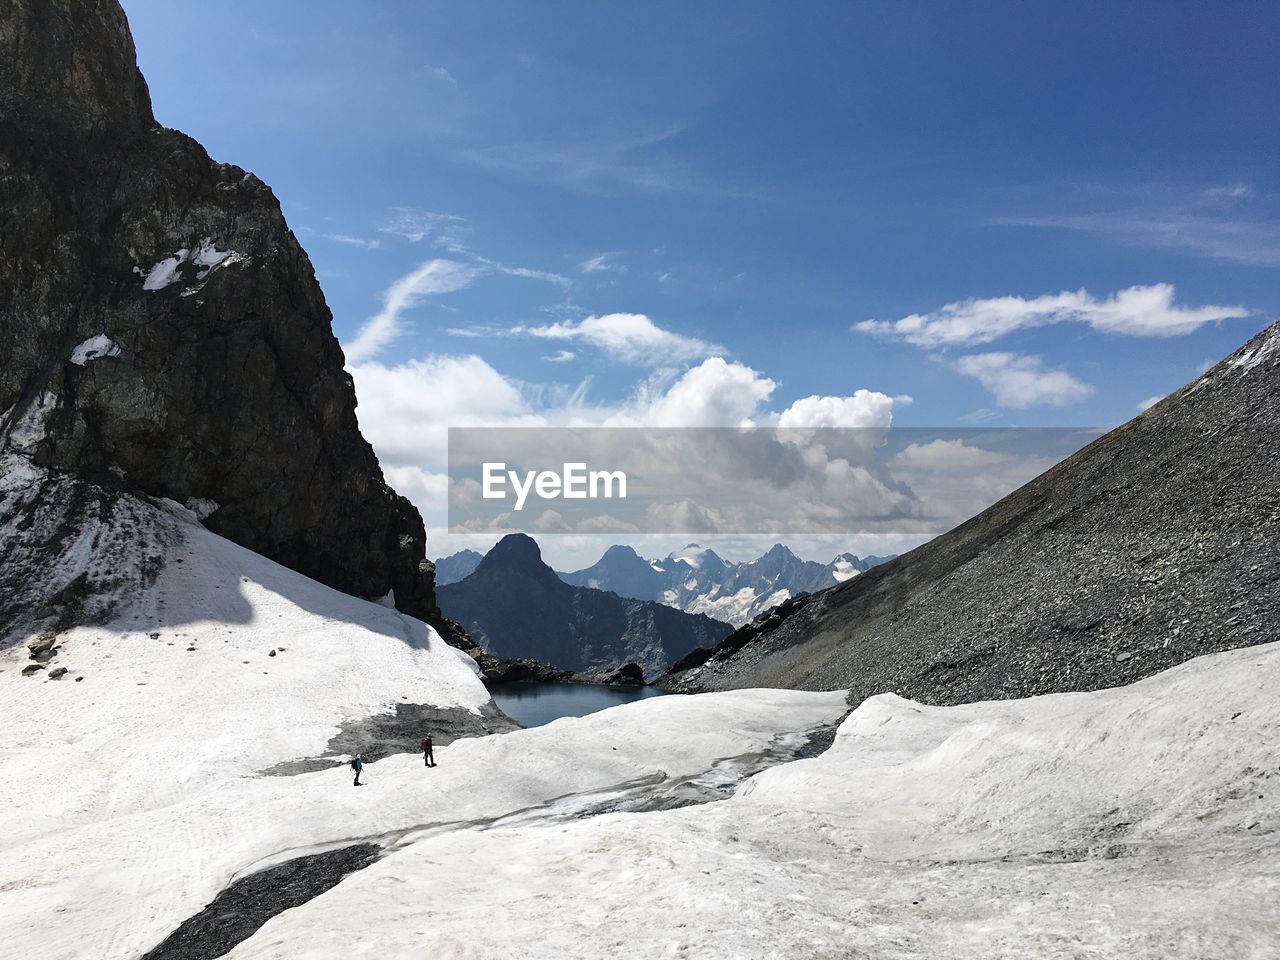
[
  {"x": 206, "y": 257},
  {"x": 1270, "y": 347},
  {"x": 29, "y": 429},
  {"x": 94, "y": 348}
]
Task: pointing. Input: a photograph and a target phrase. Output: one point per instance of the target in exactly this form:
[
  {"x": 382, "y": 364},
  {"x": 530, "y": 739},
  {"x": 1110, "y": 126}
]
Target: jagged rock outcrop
[
  {"x": 162, "y": 330},
  {"x": 514, "y": 605},
  {"x": 1154, "y": 544}
]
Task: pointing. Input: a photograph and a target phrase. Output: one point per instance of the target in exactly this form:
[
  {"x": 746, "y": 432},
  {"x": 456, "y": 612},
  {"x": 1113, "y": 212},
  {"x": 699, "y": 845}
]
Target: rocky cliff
[
  {"x": 1153, "y": 545},
  {"x": 162, "y": 330}
]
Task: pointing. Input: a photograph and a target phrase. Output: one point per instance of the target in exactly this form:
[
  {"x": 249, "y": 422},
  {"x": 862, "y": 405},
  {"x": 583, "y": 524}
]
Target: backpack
[{"x": 355, "y": 763}]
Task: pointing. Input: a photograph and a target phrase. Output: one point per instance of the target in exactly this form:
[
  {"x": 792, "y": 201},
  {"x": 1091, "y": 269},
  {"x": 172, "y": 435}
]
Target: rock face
[
  {"x": 1154, "y": 544},
  {"x": 162, "y": 329},
  {"x": 514, "y": 605}
]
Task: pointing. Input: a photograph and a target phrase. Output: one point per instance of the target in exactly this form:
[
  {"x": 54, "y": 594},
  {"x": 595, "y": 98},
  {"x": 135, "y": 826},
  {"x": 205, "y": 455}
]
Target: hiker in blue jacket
[{"x": 357, "y": 765}]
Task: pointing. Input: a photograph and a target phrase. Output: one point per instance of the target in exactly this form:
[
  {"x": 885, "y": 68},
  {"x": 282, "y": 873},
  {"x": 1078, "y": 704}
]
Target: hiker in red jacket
[{"x": 428, "y": 758}]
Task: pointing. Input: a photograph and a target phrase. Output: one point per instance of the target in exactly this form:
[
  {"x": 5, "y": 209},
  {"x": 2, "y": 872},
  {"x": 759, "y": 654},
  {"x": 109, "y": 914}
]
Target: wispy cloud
[
  {"x": 590, "y": 165},
  {"x": 528, "y": 273},
  {"x": 629, "y": 337},
  {"x": 1219, "y": 222},
  {"x": 443, "y": 74},
  {"x": 560, "y": 356},
  {"x": 449, "y": 232},
  {"x": 602, "y": 263},
  {"x": 352, "y": 241},
  {"x": 1147, "y": 311},
  {"x": 415, "y": 225},
  {"x": 1240, "y": 241},
  {"x": 1022, "y": 381},
  {"x": 430, "y": 279}
]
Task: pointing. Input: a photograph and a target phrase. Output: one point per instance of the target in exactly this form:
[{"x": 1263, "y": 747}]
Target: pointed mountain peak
[
  {"x": 619, "y": 552},
  {"x": 515, "y": 550}
]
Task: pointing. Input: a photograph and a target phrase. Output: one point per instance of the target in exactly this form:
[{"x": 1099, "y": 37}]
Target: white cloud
[
  {"x": 602, "y": 263},
  {"x": 1150, "y": 402},
  {"x": 529, "y": 274},
  {"x": 430, "y": 279},
  {"x": 1228, "y": 193},
  {"x": 866, "y": 408},
  {"x": 353, "y": 241},
  {"x": 560, "y": 356},
  {"x": 592, "y": 165},
  {"x": 716, "y": 393},
  {"x": 415, "y": 225},
  {"x": 629, "y": 337},
  {"x": 444, "y": 75},
  {"x": 404, "y": 409},
  {"x": 1140, "y": 311},
  {"x": 1255, "y": 243},
  {"x": 1022, "y": 381}
]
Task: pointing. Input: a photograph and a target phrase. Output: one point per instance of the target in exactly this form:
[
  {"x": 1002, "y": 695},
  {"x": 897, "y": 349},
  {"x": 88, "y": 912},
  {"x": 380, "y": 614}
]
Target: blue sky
[{"x": 648, "y": 186}]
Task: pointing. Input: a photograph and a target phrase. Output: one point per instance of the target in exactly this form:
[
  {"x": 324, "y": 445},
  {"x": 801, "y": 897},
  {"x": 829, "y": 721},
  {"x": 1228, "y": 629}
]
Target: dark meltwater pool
[{"x": 534, "y": 704}]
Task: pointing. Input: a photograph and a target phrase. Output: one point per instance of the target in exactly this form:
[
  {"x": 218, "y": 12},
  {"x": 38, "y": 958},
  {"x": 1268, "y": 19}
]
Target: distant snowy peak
[
  {"x": 697, "y": 580},
  {"x": 845, "y": 567},
  {"x": 457, "y": 567}
]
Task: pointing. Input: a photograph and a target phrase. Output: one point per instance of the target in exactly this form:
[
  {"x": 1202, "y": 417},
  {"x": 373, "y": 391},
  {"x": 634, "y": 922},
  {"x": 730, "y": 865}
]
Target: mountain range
[
  {"x": 697, "y": 580},
  {"x": 514, "y": 605}
]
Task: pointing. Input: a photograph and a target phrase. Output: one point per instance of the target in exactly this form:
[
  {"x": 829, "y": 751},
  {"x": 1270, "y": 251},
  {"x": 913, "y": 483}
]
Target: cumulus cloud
[
  {"x": 1140, "y": 311},
  {"x": 866, "y": 408},
  {"x": 628, "y": 337},
  {"x": 430, "y": 279},
  {"x": 716, "y": 393},
  {"x": 405, "y": 409},
  {"x": 1022, "y": 381}
]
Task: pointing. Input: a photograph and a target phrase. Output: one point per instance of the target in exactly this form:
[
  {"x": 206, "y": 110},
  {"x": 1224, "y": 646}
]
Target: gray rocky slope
[
  {"x": 1156, "y": 543},
  {"x": 161, "y": 329}
]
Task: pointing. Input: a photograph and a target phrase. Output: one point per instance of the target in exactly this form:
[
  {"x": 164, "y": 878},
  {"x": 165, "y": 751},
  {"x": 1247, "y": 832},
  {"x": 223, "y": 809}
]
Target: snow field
[
  {"x": 1135, "y": 822},
  {"x": 134, "y": 796}
]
